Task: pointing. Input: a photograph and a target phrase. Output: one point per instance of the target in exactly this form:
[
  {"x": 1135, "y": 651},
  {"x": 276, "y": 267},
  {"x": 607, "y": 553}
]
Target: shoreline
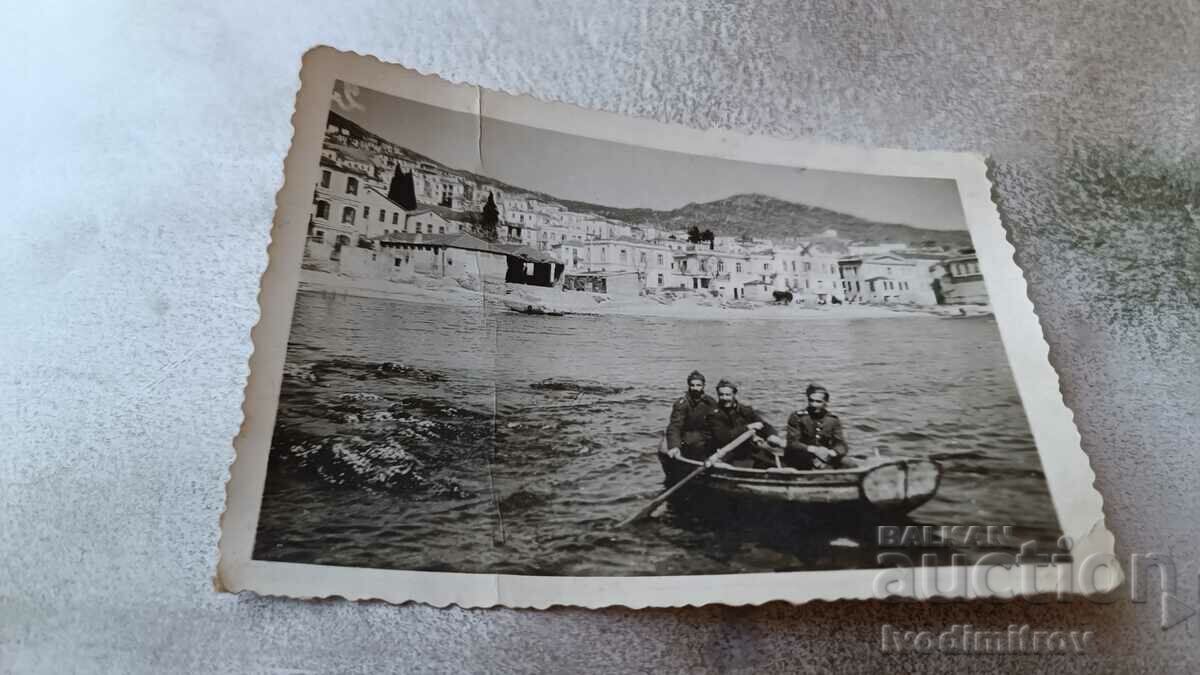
[{"x": 692, "y": 306}]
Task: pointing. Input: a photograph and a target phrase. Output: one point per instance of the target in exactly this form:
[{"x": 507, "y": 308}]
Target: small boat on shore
[
  {"x": 537, "y": 310},
  {"x": 887, "y": 487}
]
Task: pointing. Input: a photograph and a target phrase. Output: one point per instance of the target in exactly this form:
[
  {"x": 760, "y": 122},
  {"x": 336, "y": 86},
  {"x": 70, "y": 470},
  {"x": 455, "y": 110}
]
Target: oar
[
  {"x": 953, "y": 454},
  {"x": 938, "y": 456},
  {"x": 716, "y": 457}
]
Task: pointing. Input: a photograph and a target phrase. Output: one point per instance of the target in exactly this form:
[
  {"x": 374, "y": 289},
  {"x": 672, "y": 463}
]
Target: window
[
  {"x": 319, "y": 235},
  {"x": 793, "y": 265},
  {"x": 323, "y": 210},
  {"x": 351, "y": 185},
  {"x": 396, "y": 262},
  {"x": 366, "y": 212},
  {"x": 720, "y": 265},
  {"x": 418, "y": 228},
  {"x": 441, "y": 229},
  {"x": 396, "y": 218},
  {"x": 381, "y": 215},
  {"x": 766, "y": 266},
  {"x": 348, "y": 215},
  {"x": 660, "y": 277},
  {"x": 622, "y": 255},
  {"x": 737, "y": 267},
  {"x": 660, "y": 262},
  {"x": 325, "y": 178},
  {"x": 807, "y": 267}
]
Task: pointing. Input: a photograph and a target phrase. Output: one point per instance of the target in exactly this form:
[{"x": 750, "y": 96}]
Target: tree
[
  {"x": 490, "y": 220},
  {"x": 708, "y": 236},
  {"x": 401, "y": 190},
  {"x": 694, "y": 235}
]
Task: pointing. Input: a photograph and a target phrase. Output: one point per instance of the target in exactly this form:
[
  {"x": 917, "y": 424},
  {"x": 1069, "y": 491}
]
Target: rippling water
[{"x": 418, "y": 436}]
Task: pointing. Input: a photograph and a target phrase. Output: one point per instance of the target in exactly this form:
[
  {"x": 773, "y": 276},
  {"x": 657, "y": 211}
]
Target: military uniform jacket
[
  {"x": 722, "y": 426},
  {"x": 686, "y": 428},
  {"x": 806, "y": 429}
]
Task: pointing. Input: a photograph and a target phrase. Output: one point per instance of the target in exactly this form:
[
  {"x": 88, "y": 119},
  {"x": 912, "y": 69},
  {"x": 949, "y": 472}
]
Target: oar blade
[{"x": 649, "y": 508}]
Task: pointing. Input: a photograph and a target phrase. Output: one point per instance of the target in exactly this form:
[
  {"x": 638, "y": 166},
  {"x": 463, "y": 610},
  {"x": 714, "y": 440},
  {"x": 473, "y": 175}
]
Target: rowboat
[{"x": 882, "y": 486}]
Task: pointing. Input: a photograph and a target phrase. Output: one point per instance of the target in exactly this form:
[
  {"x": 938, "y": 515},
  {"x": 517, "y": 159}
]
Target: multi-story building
[
  {"x": 349, "y": 205},
  {"x": 338, "y": 201},
  {"x": 655, "y": 263},
  {"x": 886, "y": 278},
  {"x": 959, "y": 280},
  {"x": 437, "y": 188}
]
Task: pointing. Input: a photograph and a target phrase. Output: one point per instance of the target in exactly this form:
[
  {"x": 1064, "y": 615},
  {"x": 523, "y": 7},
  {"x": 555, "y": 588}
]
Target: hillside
[
  {"x": 752, "y": 215},
  {"x": 759, "y": 215}
]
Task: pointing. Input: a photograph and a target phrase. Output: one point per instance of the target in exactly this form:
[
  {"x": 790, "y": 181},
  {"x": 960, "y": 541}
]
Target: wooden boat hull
[{"x": 884, "y": 486}]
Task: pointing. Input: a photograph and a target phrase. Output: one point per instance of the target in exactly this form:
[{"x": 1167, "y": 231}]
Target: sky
[{"x": 614, "y": 174}]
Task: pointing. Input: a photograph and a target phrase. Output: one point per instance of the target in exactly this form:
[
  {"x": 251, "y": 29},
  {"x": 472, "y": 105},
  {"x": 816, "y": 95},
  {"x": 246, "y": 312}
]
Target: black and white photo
[{"x": 560, "y": 350}]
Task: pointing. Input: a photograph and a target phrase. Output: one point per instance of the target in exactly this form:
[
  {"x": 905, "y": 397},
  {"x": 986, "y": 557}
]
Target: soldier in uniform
[
  {"x": 815, "y": 439},
  {"x": 730, "y": 419},
  {"x": 685, "y": 431}
]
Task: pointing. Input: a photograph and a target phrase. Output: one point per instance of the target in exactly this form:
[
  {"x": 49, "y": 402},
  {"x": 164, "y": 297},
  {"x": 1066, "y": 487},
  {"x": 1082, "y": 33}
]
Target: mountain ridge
[{"x": 741, "y": 215}]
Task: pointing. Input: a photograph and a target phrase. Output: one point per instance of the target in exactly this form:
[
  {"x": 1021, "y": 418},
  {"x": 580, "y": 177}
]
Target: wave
[
  {"x": 316, "y": 371},
  {"x": 580, "y": 386},
  {"x": 353, "y": 461}
]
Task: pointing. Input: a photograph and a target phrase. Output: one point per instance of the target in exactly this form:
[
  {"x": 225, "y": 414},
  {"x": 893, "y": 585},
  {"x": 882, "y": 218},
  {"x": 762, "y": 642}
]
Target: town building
[
  {"x": 467, "y": 259},
  {"x": 338, "y": 200},
  {"x": 886, "y": 278},
  {"x": 960, "y": 281},
  {"x": 620, "y": 284}
]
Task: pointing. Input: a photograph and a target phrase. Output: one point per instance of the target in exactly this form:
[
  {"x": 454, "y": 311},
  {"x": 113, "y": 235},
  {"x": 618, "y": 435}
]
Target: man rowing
[
  {"x": 685, "y": 431},
  {"x": 732, "y": 418},
  {"x": 815, "y": 439}
]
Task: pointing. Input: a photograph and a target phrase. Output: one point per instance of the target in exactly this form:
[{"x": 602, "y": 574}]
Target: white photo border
[{"x": 1067, "y": 471}]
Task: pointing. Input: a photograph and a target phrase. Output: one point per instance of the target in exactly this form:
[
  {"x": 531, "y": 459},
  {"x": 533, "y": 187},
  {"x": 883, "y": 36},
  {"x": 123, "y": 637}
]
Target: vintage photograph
[{"x": 517, "y": 351}]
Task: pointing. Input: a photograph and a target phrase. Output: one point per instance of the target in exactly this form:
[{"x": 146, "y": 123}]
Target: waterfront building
[
  {"x": 620, "y": 284},
  {"x": 338, "y": 200},
  {"x": 886, "y": 278},
  {"x": 960, "y": 281}
]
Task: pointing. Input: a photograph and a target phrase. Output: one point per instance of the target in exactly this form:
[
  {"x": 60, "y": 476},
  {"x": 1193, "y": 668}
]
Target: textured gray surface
[{"x": 143, "y": 147}]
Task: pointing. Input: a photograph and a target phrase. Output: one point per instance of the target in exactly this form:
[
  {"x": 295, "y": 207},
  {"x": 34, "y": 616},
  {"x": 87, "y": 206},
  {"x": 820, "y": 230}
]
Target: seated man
[
  {"x": 731, "y": 419},
  {"x": 685, "y": 431},
  {"x": 815, "y": 439}
]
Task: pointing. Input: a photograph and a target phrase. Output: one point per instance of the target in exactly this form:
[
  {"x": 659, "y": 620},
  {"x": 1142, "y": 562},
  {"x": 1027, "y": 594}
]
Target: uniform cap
[{"x": 814, "y": 388}]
